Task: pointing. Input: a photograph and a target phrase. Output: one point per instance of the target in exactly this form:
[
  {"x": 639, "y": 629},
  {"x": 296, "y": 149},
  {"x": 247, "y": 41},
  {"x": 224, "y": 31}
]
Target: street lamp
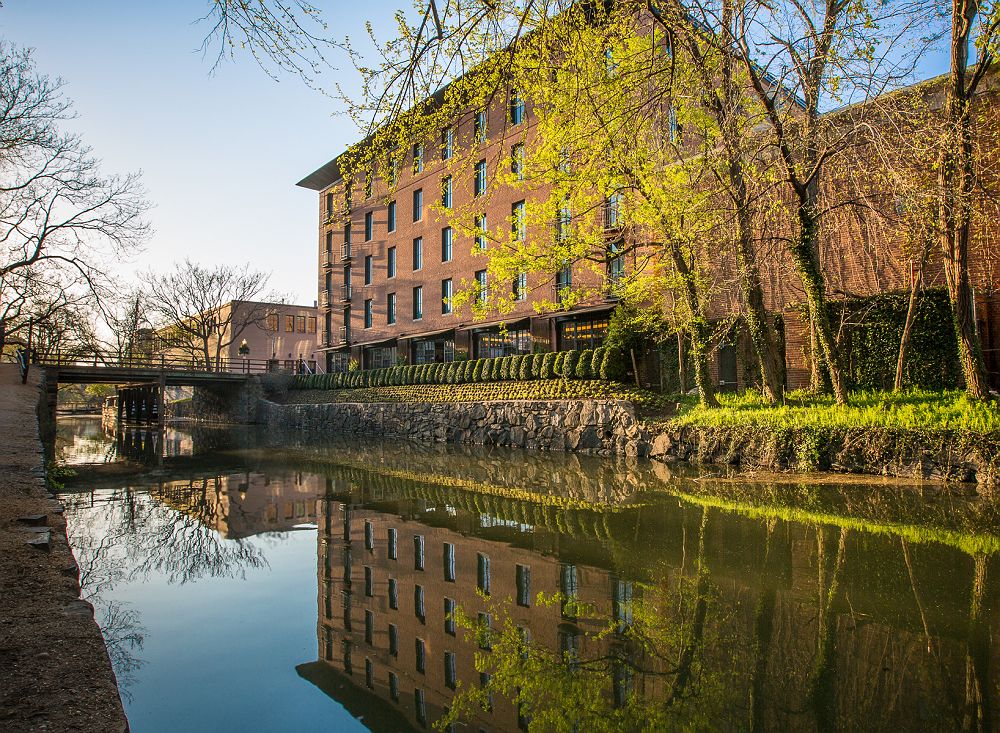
[{"x": 244, "y": 351}]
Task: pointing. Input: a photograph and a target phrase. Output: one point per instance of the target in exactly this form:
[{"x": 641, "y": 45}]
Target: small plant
[{"x": 56, "y": 475}]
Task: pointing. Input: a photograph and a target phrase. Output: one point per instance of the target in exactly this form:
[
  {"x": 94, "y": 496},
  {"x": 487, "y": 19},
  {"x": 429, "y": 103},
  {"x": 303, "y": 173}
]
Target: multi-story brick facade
[{"x": 387, "y": 268}]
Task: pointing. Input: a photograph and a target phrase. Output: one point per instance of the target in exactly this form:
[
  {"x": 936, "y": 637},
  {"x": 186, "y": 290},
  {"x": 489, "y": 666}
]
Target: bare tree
[{"x": 196, "y": 307}]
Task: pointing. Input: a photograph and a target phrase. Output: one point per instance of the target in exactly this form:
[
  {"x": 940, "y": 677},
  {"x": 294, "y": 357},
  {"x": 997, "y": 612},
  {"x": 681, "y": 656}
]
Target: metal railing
[
  {"x": 345, "y": 293},
  {"x": 346, "y": 252},
  {"x": 345, "y": 334},
  {"x": 324, "y": 299},
  {"x": 161, "y": 363}
]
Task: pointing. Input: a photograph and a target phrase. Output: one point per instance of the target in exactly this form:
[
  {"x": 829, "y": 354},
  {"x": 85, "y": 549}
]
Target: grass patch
[
  {"x": 544, "y": 389},
  {"x": 913, "y": 410}
]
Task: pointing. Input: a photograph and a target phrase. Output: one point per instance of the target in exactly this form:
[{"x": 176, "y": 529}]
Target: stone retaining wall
[{"x": 602, "y": 427}]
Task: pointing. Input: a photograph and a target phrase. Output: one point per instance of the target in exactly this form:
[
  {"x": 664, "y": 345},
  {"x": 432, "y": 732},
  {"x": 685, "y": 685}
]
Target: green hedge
[{"x": 600, "y": 363}]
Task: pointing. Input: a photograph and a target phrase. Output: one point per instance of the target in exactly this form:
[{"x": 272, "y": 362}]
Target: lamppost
[{"x": 244, "y": 351}]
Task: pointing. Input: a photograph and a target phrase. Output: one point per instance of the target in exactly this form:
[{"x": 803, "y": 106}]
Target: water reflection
[{"x": 526, "y": 591}]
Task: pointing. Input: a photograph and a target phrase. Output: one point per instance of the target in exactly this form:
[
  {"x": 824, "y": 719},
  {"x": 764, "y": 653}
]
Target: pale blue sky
[{"x": 220, "y": 154}]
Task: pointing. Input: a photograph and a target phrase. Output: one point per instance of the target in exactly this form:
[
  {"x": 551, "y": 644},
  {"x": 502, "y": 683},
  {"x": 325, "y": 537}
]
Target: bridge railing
[{"x": 165, "y": 363}]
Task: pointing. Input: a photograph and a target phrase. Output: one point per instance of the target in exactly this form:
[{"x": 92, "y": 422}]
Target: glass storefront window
[
  {"x": 379, "y": 357},
  {"x": 430, "y": 351},
  {"x": 583, "y": 333},
  {"x": 491, "y": 344}
]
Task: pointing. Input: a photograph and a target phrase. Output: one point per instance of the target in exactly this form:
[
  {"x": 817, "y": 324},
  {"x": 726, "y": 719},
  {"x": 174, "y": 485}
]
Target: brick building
[{"x": 389, "y": 267}]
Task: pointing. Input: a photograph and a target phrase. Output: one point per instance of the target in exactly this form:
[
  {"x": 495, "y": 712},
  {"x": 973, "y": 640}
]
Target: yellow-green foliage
[{"x": 914, "y": 410}]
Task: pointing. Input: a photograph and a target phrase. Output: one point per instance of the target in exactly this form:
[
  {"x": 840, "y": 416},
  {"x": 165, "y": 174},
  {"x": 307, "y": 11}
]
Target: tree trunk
[
  {"x": 956, "y": 179},
  {"x": 911, "y": 312},
  {"x": 681, "y": 364},
  {"x": 699, "y": 328}
]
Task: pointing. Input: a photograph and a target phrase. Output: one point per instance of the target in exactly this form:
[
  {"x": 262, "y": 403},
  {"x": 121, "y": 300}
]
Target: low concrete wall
[{"x": 602, "y": 427}]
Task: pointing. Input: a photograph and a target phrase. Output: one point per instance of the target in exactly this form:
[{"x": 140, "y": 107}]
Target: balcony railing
[
  {"x": 345, "y": 293},
  {"x": 346, "y": 252},
  {"x": 328, "y": 259},
  {"x": 345, "y": 335},
  {"x": 324, "y": 299}
]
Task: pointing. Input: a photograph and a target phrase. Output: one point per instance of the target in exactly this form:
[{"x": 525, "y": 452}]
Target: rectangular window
[
  {"x": 369, "y": 582},
  {"x": 446, "y": 244},
  {"x": 484, "y": 683},
  {"x": 347, "y": 656},
  {"x": 369, "y": 536},
  {"x": 391, "y": 217},
  {"x": 420, "y": 655},
  {"x": 483, "y": 572},
  {"x": 368, "y": 269},
  {"x": 450, "y": 676},
  {"x": 450, "y": 624},
  {"x": 449, "y": 562},
  {"x": 447, "y": 143},
  {"x": 479, "y": 186},
  {"x": 347, "y": 235},
  {"x": 390, "y": 267},
  {"x": 481, "y": 232},
  {"x": 517, "y": 222},
  {"x": 392, "y": 543},
  {"x": 369, "y": 674},
  {"x": 368, "y": 313},
  {"x": 611, "y": 207},
  {"x": 569, "y": 586},
  {"x": 418, "y": 302},
  {"x": 369, "y": 183},
  {"x": 517, "y": 161},
  {"x": 446, "y": 192},
  {"x": 480, "y": 127},
  {"x": 272, "y": 322},
  {"x": 418, "y": 158},
  {"x": 581, "y": 334},
  {"x": 564, "y": 280},
  {"x": 446, "y": 296},
  {"x": 563, "y": 220},
  {"x": 393, "y": 594},
  {"x": 516, "y": 108},
  {"x": 393, "y": 640},
  {"x": 622, "y": 602},
  {"x": 311, "y": 324},
  {"x": 483, "y": 296},
  {"x": 393, "y": 171},
  {"x": 329, "y": 205},
  {"x": 418, "y": 204},
  {"x": 290, "y": 324},
  {"x": 369, "y": 226},
  {"x": 369, "y": 626},
  {"x": 394, "y": 686},
  {"x": 616, "y": 266},
  {"x": 300, "y": 324},
  {"x": 418, "y": 552},
  {"x": 390, "y": 308},
  {"x": 329, "y": 242},
  {"x": 484, "y": 630},
  {"x": 523, "y": 577},
  {"x": 418, "y": 254},
  {"x": 419, "y": 610},
  {"x": 420, "y": 706},
  {"x": 521, "y": 286}
]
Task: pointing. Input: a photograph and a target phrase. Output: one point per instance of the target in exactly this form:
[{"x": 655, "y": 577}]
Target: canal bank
[{"x": 55, "y": 674}]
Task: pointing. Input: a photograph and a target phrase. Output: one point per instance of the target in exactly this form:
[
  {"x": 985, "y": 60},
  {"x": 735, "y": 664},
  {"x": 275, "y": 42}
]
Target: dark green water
[{"x": 249, "y": 582}]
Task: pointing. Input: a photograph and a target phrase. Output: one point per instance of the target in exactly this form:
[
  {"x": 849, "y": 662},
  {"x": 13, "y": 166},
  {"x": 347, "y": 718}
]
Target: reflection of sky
[{"x": 220, "y": 652}]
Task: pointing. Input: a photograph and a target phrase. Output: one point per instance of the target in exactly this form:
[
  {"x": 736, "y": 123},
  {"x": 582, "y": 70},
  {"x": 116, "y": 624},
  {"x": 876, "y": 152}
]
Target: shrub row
[{"x": 600, "y": 363}]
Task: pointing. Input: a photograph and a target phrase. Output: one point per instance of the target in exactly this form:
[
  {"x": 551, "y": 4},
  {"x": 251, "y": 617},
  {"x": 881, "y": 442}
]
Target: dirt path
[{"x": 55, "y": 674}]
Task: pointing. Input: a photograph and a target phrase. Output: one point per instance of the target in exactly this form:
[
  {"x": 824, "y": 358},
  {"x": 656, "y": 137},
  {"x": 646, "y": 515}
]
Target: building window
[
  {"x": 447, "y": 143},
  {"x": 516, "y": 107},
  {"x": 582, "y": 334},
  {"x": 368, "y": 269},
  {"x": 481, "y": 232},
  {"x": 449, "y": 562},
  {"x": 480, "y": 127},
  {"x": 347, "y": 656},
  {"x": 392, "y": 543},
  {"x": 673, "y": 127},
  {"x": 390, "y": 308},
  {"x": 418, "y": 204},
  {"x": 418, "y": 552},
  {"x": 394, "y": 686},
  {"x": 369, "y": 536},
  {"x": 390, "y": 267},
  {"x": 446, "y": 296},
  {"x": 290, "y": 324},
  {"x": 612, "y": 206},
  {"x": 369, "y": 183},
  {"x": 418, "y": 302},
  {"x": 564, "y": 281},
  {"x": 369, "y": 674},
  {"x": 392, "y": 217},
  {"x": 563, "y": 220},
  {"x": 517, "y": 161},
  {"x": 311, "y": 324},
  {"x": 483, "y": 572},
  {"x": 520, "y": 289},
  {"x": 479, "y": 186},
  {"x": 622, "y": 604},
  {"x": 369, "y": 582},
  {"x": 369, "y": 626},
  {"x": 418, "y": 158},
  {"x": 420, "y": 706},
  {"x": 450, "y": 624},
  {"x": 393, "y": 640},
  {"x": 419, "y": 610},
  {"x": 446, "y": 244},
  {"x": 450, "y": 676},
  {"x": 483, "y": 295},
  {"x": 379, "y": 357},
  {"x": 494, "y": 343},
  {"x": 569, "y": 586},
  {"x": 518, "y": 223},
  {"x": 272, "y": 321},
  {"x": 616, "y": 265},
  {"x": 369, "y": 226},
  {"x": 418, "y": 253},
  {"x": 368, "y": 313},
  {"x": 484, "y": 630},
  {"x": 329, "y": 242},
  {"x": 393, "y": 171},
  {"x": 420, "y": 655},
  {"x": 393, "y": 594},
  {"x": 523, "y": 578},
  {"x": 446, "y": 192},
  {"x": 484, "y": 683},
  {"x": 300, "y": 324}
]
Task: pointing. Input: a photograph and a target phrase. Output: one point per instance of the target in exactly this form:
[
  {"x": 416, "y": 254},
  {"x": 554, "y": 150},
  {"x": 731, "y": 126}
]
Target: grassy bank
[{"x": 916, "y": 410}]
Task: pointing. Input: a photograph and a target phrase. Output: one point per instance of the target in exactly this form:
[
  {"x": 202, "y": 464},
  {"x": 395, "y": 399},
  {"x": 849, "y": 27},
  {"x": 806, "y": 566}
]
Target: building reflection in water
[{"x": 683, "y": 613}]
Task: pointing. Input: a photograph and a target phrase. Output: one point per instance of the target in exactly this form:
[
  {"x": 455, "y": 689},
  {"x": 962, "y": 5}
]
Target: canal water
[{"x": 247, "y": 581}]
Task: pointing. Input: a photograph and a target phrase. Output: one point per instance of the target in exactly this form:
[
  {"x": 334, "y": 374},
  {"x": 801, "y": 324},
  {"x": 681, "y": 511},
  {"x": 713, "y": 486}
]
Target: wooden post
[{"x": 161, "y": 388}]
